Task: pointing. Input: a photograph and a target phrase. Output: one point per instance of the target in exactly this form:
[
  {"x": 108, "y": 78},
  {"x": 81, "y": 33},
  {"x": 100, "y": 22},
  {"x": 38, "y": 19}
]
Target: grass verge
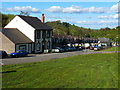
[
  {"x": 112, "y": 49},
  {"x": 81, "y": 71}
]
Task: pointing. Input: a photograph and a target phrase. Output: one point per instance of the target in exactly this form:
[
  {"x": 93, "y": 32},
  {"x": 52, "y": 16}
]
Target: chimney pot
[{"x": 43, "y": 18}]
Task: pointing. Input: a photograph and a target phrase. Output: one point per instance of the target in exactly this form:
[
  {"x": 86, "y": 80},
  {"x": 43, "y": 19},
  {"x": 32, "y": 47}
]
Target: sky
[{"x": 94, "y": 15}]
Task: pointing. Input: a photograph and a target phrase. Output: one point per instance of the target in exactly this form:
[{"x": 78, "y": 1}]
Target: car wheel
[{"x": 16, "y": 56}]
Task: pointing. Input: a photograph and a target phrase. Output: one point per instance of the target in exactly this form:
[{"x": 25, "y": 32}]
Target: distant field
[
  {"x": 112, "y": 49},
  {"x": 81, "y": 71}
]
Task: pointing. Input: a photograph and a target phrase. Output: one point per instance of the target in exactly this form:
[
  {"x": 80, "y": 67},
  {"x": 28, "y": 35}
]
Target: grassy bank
[
  {"x": 112, "y": 49},
  {"x": 82, "y": 71}
]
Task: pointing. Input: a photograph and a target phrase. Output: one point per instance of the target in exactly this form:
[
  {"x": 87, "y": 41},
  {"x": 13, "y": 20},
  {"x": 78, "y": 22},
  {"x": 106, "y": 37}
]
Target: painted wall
[
  {"x": 27, "y": 47},
  {"x": 7, "y": 45},
  {"x": 24, "y": 27}
]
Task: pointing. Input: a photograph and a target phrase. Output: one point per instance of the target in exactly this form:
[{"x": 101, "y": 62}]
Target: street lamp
[
  {"x": 116, "y": 43},
  {"x": 116, "y": 40},
  {"x": 84, "y": 41}
]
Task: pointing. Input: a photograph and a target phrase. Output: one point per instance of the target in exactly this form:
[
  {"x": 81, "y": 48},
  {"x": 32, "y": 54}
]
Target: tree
[
  {"x": 6, "y": 18},
  {"x": 25, "y": 13}
]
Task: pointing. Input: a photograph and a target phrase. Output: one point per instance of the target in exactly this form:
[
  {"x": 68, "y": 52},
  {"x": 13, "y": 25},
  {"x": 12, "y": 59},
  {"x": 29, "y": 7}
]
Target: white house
[{"x": 35, "y": 29}]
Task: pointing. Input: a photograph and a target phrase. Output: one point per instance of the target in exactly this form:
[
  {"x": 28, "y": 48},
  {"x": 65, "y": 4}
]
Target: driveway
[{"x": 43, "y": 57}]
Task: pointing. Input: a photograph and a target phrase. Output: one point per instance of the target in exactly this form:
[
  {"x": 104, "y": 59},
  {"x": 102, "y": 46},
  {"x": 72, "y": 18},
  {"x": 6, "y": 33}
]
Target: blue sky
[{"x": 93, "y": 15}]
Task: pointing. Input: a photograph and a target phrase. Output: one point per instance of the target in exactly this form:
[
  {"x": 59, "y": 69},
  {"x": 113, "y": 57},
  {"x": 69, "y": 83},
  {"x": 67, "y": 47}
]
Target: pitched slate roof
[
  {"x": 15, "y": 35},
  {"x": 105, "y": 40},
  {"x": 35, "y": 22}
]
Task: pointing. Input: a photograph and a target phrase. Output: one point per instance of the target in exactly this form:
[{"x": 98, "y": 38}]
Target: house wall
[
  {"x": 27, "y": 47},
  {"x": 48, "y": 44},
  {"x": 38, "y": 41},
  {"x": 23, "y": 26},
  {"x": 49, "y": 41},
  {"x": 41, "y": 43},
  {"x": 6, "y": 44}
]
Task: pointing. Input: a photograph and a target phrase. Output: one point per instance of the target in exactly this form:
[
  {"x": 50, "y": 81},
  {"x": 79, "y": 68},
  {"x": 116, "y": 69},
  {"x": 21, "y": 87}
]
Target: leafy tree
[{"x": 6, "y": 19}]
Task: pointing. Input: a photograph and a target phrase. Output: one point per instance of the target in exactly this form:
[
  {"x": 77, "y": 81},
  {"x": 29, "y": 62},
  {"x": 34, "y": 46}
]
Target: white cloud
[
  {"x": 97, "y": 22},
  {"x": 72, "y": 9},
  {"x": 24, "y": 8},
  {"x": 103, "y": 17},
  {"x": 76, "y": 9},
  {"x": 55, "y": 18},
  {"x": 116, "y": 16},
  {"x": 114, "y": 8},
  {"x": 82, "y": 22},
  {"x": 107, "y": 21},
  {"x": 96, "y": 10},
  {"x": 54, "y": 9}
]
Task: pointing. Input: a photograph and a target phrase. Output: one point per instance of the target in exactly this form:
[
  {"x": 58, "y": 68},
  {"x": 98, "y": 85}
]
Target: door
[{"x": 43, "y": 46}]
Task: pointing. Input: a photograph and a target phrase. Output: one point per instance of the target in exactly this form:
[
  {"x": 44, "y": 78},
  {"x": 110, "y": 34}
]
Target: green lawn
[
  {"x": 112, "y": 49},
  {"x": 81, "y": 71}
]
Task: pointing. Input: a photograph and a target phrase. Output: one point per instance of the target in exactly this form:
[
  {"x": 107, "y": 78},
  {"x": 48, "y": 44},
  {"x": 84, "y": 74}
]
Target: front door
[{"x": 43, "y": 46}]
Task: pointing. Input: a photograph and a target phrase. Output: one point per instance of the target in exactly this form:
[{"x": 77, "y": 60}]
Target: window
[
  {"x": 48, "y": 45},
  {"x": 38, "y": 46},
  {"x": 43, "y": 34},
  {"x": 48, "y": 34},
  {"x": 22, "y": 47},
  {"x": 38, "y": 34}
]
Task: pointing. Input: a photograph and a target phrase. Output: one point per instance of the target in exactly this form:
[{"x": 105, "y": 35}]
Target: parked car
[
  {"x": 81, "y": 47},
  {"x": 118, "y": 45},
  {"x": 91, "y": 48},
  {"x": 65, "y": 48},
  {"x": 87, "y": 45},
  {"x": 96, "y": 48},
  {"x": 19, "y": 53},
  {"x": 57, "y": 49},
  {"x": 3, "y": 54},
  {"x": 72, "y": 48}
]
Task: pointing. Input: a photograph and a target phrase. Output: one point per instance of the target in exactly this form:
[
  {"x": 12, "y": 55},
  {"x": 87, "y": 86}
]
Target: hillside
[
  {"x": 68, "y": 29},
  {"x": 65, "y": 28}
]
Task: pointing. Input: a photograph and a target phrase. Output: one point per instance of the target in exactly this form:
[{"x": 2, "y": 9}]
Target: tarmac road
[{"x": 43, "y": 57}]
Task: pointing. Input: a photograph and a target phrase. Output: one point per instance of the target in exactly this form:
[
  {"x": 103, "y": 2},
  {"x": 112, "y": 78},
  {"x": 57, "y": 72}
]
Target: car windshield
[
  {"x": 72, "y": 47},
  {"x": 19, "y": 51},
  {"x": 57, "y": 47}
]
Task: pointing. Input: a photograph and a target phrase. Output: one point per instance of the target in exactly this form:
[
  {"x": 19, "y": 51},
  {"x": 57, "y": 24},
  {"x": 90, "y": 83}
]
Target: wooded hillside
[{"x": 68, "y": 29}]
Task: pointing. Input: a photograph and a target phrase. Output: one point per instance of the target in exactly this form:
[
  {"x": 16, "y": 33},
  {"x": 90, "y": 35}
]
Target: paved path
[{"x": 50, "y": 56}]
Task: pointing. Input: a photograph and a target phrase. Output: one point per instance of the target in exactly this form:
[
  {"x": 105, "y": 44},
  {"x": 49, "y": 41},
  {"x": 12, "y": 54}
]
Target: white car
[
  {"x": 87, "y": 45},
  {"x": 57, "y": 49},
  {"x": 96, "y": 48}
]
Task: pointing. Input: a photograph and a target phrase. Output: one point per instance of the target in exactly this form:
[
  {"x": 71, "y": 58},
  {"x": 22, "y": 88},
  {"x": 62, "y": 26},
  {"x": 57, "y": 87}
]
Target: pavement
[{"x": 50, "y": 56}]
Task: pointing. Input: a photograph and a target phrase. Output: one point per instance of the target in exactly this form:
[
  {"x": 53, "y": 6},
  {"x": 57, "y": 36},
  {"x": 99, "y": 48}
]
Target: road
[{"x": 43, "y": 57}]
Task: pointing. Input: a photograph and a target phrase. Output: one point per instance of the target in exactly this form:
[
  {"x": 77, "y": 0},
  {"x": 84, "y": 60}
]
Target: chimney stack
[{"x": 43, "y": 18}]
